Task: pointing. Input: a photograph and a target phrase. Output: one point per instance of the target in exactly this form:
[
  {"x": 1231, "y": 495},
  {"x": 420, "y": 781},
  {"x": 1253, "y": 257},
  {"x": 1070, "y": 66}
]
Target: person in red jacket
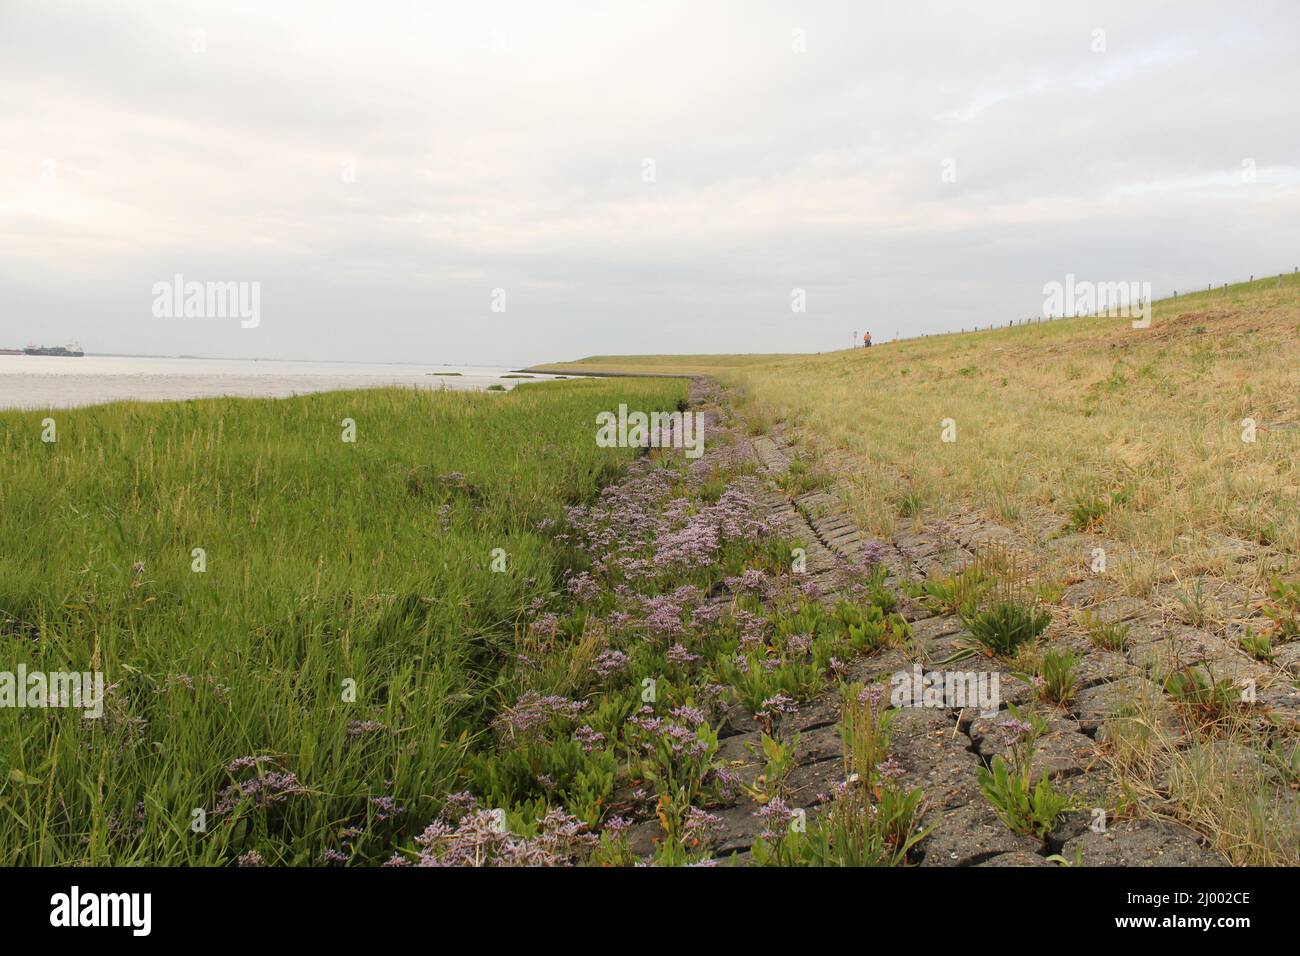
[{"x": 866, "y": 340}]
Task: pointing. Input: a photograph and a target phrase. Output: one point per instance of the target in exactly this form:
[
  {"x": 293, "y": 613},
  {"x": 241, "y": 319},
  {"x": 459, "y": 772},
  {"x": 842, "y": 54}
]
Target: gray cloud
[{"x": 502, "y": 145}]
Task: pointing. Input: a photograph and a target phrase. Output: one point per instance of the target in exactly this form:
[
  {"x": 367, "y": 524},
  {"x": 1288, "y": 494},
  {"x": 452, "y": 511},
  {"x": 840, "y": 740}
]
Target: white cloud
[{"x": 380, "y": 168}]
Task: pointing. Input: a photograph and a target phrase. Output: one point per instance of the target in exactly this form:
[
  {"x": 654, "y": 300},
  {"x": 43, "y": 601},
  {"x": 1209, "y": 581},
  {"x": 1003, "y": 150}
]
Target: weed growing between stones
[
  {"x": 1203, "y": 699},
  {"x": 1283, "y": 608},
  {"x": 1107, "y": 635},
  {"x": 801, "y": 478},
  {"x": 959, "y": 593},
  {"x": 1025, "y": 806},
  {"x": 778, "y": 761},
  {"x": 1009, "y": 617},
  {"x": 871, "y": 820},
  {"x": 1056, "y": 677},
  {"x": 1257, "y": 646},
  {"x": 1006, "y": 624}
]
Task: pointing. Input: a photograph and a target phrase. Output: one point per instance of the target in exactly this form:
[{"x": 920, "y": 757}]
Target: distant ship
[{"x": 73, "y": 350}]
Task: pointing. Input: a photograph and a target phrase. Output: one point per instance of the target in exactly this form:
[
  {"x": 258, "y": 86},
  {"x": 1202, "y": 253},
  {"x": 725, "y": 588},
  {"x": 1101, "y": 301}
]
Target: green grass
[{"x": 325, "y": 561}]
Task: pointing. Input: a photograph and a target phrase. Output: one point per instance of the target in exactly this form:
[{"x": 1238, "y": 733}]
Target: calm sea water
[{"x": 32, "y": 381}]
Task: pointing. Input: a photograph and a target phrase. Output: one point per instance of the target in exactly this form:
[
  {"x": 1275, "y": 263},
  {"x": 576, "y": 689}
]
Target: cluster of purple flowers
[
  {"x": 776, "y": 817},
  {"x": 699, "y": 826},
  {"x": 479, "y": 837},
  {"x": 533, "y": 712},
  {"x": 751, "y": 628},
  {"x": 874, "y": 553},
  {"x": 752, "y": 581},
  {"x": 546, "y": 626},
  {"x": 678, "y": 654},
  {"x": 664, "y": 611},
  {"x": 386, "y": 808},
  {"x": 1013, "y": 731},
  {"x": 264, "y": 789},
  {"x": 692, "y": 545},
  {"x": 583, "y": 586},
  {"x": 678, "y": 733},
  {"x": 608, "y": 663},
  {"x": 873, "y": 695},
  {"x": 778, "y": 704},
  {"x": 589, "y": 739},
  {"x": 890, "y": 768},
  {"x": 363, "y": 728}
]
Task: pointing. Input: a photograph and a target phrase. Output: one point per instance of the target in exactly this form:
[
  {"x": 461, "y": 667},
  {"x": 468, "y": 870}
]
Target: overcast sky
[{"x": 637, "y": 177}]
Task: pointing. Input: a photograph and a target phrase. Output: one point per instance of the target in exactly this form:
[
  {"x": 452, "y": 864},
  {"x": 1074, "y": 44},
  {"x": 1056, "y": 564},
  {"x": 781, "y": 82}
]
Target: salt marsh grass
[{"x": 342, "y": 616}]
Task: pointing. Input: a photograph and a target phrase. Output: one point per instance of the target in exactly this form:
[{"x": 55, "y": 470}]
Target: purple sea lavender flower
[
  {"x": 480, "y": 839},
  {"x": 583, "y": 587},
  {"x": 690, "y": 716},
  {"x": 678, "y": 654},
  {"x": 532, "y": 713},
  {"x": 874, "y": 553},
  {"x": 776, "y": 817},
  {"x": 458, "y": 804},
  {"x": 752, "y": 581},
  {"x": 608, "y": 663},
  {"x": 708, "y": 614},
  {"x": 546, "y": 626},
  {"x": 616, "y": 825},
  {"x": 664, "y": 615},
  {"x": 266, "y": 790},
  {"x": 243, "y": 763},
  {"x": 1012, "y": 730},
  {"x": 386, "y": 808},
  {"x": 589, "y": 739},
  {"x": 890, "y": 768},
  {"x": 873, "y": 695},
  {"x": 729, "y": 782},
  {"x": 699, "y": 826},
  {"x": 777, "y": 704},
  {"x": 362, "y": 728},
  {"x": 799, "y": 644}
]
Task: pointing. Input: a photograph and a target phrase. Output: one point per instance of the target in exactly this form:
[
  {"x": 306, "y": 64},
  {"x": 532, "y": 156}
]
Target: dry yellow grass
[{"x": 1055, "y": 420}]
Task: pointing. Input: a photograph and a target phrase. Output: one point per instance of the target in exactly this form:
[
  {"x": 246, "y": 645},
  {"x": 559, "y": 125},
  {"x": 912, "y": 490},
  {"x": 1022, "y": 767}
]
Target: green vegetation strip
[{"x": 324, "y": 562}]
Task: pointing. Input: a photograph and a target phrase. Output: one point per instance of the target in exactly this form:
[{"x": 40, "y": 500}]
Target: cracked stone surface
[
  {"x": 1141, "y": 843},
  {"x": 1062, "y": 751},
  {"x": 942, "y": 750},
  {"x": 970, "y": 834}
]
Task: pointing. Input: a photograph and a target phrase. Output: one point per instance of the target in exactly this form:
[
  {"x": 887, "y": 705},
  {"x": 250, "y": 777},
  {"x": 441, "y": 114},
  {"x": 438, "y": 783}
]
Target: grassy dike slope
[
  {"x": 325, "y": 560},
  {"x": 1132, "y": 433}
]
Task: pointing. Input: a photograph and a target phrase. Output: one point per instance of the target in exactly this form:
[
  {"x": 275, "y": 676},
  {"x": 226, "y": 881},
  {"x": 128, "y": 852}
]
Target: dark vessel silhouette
[{"x": 73, "y": 350}]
